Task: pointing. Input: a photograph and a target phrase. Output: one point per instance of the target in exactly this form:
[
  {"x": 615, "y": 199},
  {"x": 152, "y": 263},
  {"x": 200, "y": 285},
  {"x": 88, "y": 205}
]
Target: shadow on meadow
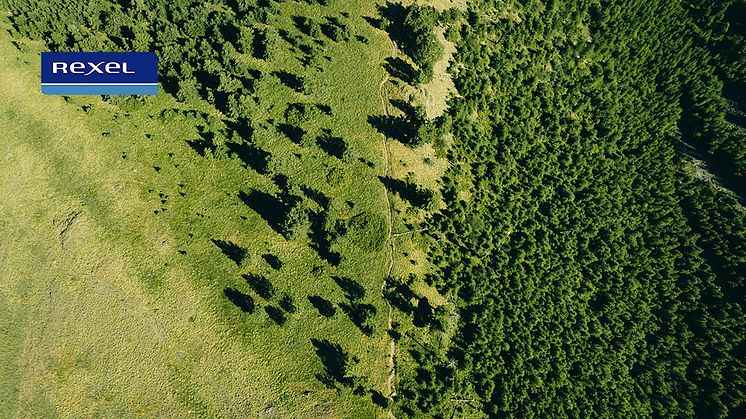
[
  {"x": 261, "y": 285},
  {"x": 325, "y": 307},
  {"x": 233, "y": 251},
  {"x": 360, "y": 313},
  {"x": 335, "y": 361},
  {"x": 240, "y": 300}
]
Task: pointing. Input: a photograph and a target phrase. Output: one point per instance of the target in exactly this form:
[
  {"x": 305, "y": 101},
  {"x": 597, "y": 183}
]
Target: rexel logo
[{"x": 99, "y": 73}]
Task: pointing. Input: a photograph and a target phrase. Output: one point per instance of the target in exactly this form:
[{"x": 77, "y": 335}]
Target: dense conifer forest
[
  {"x": 589, "y": 233},
  {"x": 595, "y": 275}
]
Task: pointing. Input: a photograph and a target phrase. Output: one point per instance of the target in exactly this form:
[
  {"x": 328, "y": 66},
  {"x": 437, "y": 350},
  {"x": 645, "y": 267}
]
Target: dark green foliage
[
  {"x": 286, "y": 303},
  {"x": 720, "y": 223},
  {"x": 716, "y": 93},
  {"x": 195, "y": 43},
  {"x": 324, "y": 306},
  {"x": 335, "y": 361},
  {"x": 595, "y": 278},
  {"x": 412, "y": 27},
  {"x": 261, "y": 285},
  {"x": 241, "y": 300},
  {"x": 367, "y": 231},
  {"x": 427, "y": 387}
]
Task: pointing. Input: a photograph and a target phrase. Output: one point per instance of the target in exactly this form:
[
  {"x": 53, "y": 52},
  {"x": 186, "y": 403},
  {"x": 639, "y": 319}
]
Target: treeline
[
  {"x": 715, "y": 92},
  {"x": 412, "y": 27},
  {"x": 202, "y": 47},
  {"x": 595, "y": 276}
]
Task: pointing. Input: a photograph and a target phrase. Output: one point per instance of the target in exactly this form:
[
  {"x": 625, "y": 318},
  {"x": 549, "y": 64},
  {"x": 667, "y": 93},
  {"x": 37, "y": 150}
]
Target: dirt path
[{"x": 390, "y": 362}]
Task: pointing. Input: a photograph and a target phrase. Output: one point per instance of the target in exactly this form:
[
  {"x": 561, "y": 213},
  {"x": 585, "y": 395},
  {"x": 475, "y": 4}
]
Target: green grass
[{"x": 109, "y": 309}]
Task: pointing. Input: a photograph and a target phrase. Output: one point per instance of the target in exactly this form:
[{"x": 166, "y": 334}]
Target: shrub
[{"x": 367, "y": 231}]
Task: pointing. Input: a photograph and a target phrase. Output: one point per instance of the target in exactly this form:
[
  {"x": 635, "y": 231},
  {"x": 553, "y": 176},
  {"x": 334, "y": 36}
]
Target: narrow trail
[{"x": 391, "y": 361}]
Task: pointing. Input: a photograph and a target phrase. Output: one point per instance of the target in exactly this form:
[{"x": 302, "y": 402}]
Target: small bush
[{"x": 367, "y": 231}]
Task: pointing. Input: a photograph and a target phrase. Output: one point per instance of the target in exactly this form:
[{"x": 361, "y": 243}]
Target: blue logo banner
[{"x": 99, "y": 73}]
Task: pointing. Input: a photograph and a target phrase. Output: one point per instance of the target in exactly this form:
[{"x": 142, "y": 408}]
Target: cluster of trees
[
  {"x": 412, "y": 127},
  {"x": 202, "y": 50},
  {"x": 412, "y": 28},
  {"x": 418, "y": 196},
  {"x": 419, "y": 39},
  {"x": 594, "y": 275},
  {"x": 717, "y": 91},
  {"x": 201, "y": 47}
]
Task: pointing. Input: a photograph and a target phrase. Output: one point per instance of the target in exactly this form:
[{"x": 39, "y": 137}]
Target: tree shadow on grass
[
  {"x": 290, "y": 80},
  {"x": 276, "y": 315},
  {"x": 399, "y": 295},
  {"x": 324, "y": 306},
  {"x": 295, "y": 134},
  {"x": 335, "y": 361},
  {"x": 374, "y": 22},
  {"x": 379, "y": 399},
  {"x": 269, "y": 207},
  {"x": 233, "y": 251},
  {"x": 395, "y": 14},
  {"x": 409, "y": 110},
  {"x": 320, "y": 239},
  {"x": 250, "y": 155},
  {"x": 414, "y": 194},
  {"x": 241, "y": 128},
  {"x": 273, "y": 261},
  {"x": 261, "y": 285},
  {"x": 397, "y": 67},
  {"x": 203, "y": 144},
  {"x": 424, "y": 314},
  {"x": 326, "y": 109},
  {"x": 331, "y": 145},
  {"x": 352, "y": 289},
  {"x": 394, "y": 127},
  {"x": 303, "y": 24},
  {"x": 240, "y": 300},
  {"x": 316, "y": 196},
  {"x": 360, "y": 314},
  {"x": 287, "y": 303},
  {"x": 292, "y": 39}
]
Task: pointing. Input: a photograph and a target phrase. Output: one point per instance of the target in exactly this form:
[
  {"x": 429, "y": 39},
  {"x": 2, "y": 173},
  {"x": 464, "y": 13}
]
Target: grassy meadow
[{"x": 113, "y": 281}]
